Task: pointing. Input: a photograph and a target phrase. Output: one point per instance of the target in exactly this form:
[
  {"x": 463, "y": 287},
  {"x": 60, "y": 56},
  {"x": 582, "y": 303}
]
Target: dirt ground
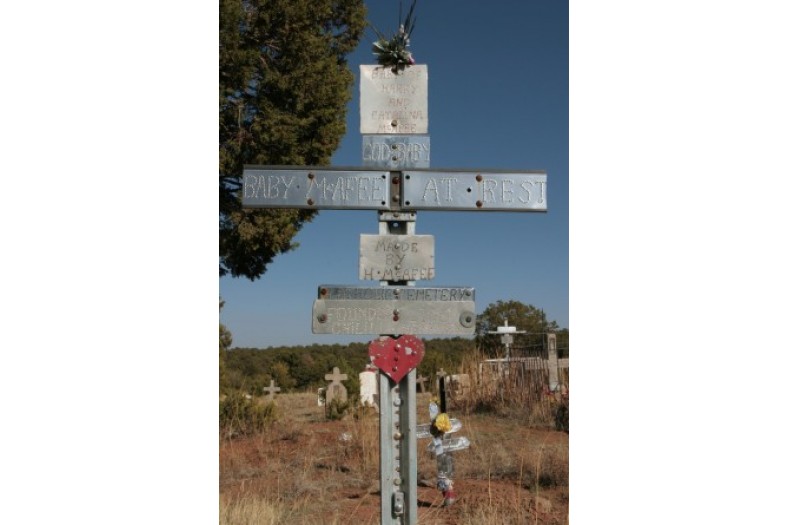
[{"x": 326, "y": 472}]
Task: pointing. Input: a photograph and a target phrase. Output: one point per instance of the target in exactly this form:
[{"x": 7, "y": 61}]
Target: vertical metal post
[
  {"x": 389, "y": 451},
  {"x": 552, "y": 362},
  {"x": 398, "y": 456},
  {"x": 409, "y": 458}
]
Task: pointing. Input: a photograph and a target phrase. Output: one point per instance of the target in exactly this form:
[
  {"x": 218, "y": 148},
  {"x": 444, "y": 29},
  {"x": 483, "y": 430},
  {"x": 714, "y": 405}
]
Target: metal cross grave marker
[{"x": 395, "y": 179}]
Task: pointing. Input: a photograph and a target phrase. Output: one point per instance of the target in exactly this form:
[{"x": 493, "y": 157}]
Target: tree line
[{"x": 303, "y": 368}]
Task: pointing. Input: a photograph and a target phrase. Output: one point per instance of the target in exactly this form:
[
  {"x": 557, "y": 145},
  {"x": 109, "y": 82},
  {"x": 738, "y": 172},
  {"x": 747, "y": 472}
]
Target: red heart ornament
[{"x": 396, "y": 357}]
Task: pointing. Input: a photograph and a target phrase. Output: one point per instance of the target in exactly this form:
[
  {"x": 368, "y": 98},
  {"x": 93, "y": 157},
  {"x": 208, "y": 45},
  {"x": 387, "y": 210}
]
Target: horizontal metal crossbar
[{"x": 315, "y": 187}]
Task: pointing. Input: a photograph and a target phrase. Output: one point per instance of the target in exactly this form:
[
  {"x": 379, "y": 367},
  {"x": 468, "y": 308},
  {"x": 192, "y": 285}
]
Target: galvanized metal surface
[
  {"x": 396, "y": 293},
  {"x": 395, "y": 152},
  {"x": 385, "y": 316},
  {"x": 396, "y": 257},
  {"x": 474, "y": 190},
  {"x": 409, "y": 457},
  {"x": 393, "y": 103},
  {"x": 394, "y": 192},
  {"x": 315, "y": 188},
  {"x": 395, "y": 217},
  {"x": 389, "y": 448},
  {"x": 398, "y": 456}
]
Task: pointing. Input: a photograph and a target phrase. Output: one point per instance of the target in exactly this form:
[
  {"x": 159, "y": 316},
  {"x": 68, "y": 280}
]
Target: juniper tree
[{"x": 284, "y": 86}]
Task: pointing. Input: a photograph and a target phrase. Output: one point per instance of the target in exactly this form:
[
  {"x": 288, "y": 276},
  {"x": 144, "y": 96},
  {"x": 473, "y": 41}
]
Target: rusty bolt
[
  {"x": 395, "y": 180},
  {"x": 478, "y": 204},
  {"x": 322, "y": 318},
  {"x": 311, "y": 175},
  {"x": 310, "y": 202},
  {"x": 393, "y": 123},
  {"x": 323, "y": 291},
  {"x": 478, "y": 177}
]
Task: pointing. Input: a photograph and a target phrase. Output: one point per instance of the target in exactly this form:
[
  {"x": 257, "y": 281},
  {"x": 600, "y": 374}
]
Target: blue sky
[{"x": 498, "y": 99}]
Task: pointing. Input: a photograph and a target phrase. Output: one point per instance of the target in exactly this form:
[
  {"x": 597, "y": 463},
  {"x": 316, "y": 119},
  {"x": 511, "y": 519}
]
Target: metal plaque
[
  {"x": 393, "y": 103},
  {"x": 396, "y": 257},
  {"x": 315, "y": 188},
  {"x": 474, "y": 190},
  {"x": 395, "y": 152},
  {"x": 365, "y": 316},
  {"x": 443, "y": 294},
  {"x": 394, "y": 310}
]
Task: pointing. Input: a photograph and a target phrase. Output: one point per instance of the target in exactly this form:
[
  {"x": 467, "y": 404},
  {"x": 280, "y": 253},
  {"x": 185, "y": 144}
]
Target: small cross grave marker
[
  {"x": 336, "y": 390},
  {"x": 420, "y": 384},
  {"x": 271, "y": 389}
]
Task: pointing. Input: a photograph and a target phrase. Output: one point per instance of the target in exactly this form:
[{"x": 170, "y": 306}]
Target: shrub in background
[
  {"x": 337, "y": 409},
  {"x": 240, "y": 416}
]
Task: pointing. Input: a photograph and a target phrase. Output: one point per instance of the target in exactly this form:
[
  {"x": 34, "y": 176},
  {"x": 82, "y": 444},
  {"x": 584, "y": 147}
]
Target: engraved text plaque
[
  {"x": 393, "y": 103},
  {"x": 396, "y": 257}
]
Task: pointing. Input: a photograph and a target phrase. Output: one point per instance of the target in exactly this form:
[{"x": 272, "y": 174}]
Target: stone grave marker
[
  {"x": 420, "y": 384},
  {"x": 336, "y": 390},
  {"x": 458, "y": 386},
  {"x": 271, "y": 390}
]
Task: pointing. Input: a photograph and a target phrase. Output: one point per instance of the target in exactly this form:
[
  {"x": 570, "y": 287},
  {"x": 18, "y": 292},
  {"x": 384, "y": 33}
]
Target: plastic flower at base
[
  {"x": 392, "y": 52},
  {"x": 442, "y": 423}
]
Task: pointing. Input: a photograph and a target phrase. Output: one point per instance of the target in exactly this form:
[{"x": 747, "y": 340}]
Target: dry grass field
[{"x": 304, "y": 469}]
